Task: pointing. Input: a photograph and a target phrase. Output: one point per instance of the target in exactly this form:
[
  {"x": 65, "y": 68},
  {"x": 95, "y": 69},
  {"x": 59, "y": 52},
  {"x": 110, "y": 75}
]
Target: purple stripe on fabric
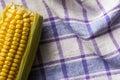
[
  {"x": 73, "y": 36},
  {"x": 84, "y": 62},
  {"x": 24, "y": 3},
  {"x": 57, "y": 42},
  {"x": 91, "y": 33},
  {"x": 79, "y": 42},
  {"x": 74, "y": 19},
  {"x": 110, "y": 54},
  {"x": 3, "y": 3},
  {"x": 77, "y": 57},
  {"x": 65, "y": 10},
  {"x": 66, "y": 59},
  {"x": 110, "y": 33},
  {"x": 57, "y": 39},
  {"x": 108, "y": 22},
  {"x": 42, "y": 71}
]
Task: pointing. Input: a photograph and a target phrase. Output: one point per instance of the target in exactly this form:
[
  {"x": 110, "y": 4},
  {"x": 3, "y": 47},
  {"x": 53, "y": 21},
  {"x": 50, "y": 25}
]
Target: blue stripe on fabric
[
  {"x": 76, "y": 69},
  {"x": 54, "y": 73},
  {"x": 98, "y": 26},
  {"x": 114, "y": 63}
]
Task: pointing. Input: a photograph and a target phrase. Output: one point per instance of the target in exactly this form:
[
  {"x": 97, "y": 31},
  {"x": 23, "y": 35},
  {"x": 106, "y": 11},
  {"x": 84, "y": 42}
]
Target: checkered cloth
[{"x": 80, "y": 39}]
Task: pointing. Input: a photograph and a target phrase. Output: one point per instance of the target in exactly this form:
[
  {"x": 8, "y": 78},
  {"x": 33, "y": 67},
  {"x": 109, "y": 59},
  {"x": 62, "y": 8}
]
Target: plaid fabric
[{"x": 80, "y": 39}]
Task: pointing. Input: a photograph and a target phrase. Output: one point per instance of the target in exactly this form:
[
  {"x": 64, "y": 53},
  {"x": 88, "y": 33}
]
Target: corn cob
[{"x": 19, "y": 36}]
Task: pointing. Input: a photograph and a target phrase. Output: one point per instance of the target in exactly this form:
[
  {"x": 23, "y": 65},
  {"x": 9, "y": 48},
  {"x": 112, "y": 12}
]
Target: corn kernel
[
  {"x": 24, "y": 37},
  {"x": 9, "y": 58},
  {"x": 18, "y": 17},
  {"x": 25, "y": 33},
  {"x": 22, "y": 45},
  {"x": 26, "y": 24},
  {"x": 12, "y": 51},
  {"x": 26, "y": 15},
  {"x": 4, "y": 70},
  {"x": 26, "y": 20},
  {"x": 18, "y": 31},
  {"x": 11, "y": 77},
  {"x": 10, "y": 54},
  {"x": 26, "y": 29},
  {"x": 16, "y": 39},
  {"x": 2, "y": 78},
  {"x": 11, "y": 26},
  {"x": 13, "y": 22},
  {"x": 17, "y": 35},
  {"x": 20, "y": 49},
  {"x": 12, "y": 73},
  {"x": 19, "y": 53},
  {"x": 15, "y": 43},
  {"x": 13, "y": 68},
  {"x": 7, "y": 43},
  {"x": 1, "y": 62},
  {"x": 2, "y": 32},
  {"x": 15, "y": 65},
  {"x": 8, "y": 63},
  {"x": 2, "y": 58},
  {"x": 18, "y": 26},
  {"x": 7, "y": 20},
  {"x": 5, "y": 67},
  {"x": 19, "y": 12},
  {"x": 16, "y": 61},
  {"x": 18, "y": 56},
  {"x": 3, "y": 54},
  {"x": 10, "y": 15},
  {"x": 3, "y": 74},
  {"x": 6, "y": 47},
  {"x": 9, "y": 35},
  {"x": 19, "y": 22},
  {"x": 23, "y": 41},
  {"x": 10, "y": 31}
]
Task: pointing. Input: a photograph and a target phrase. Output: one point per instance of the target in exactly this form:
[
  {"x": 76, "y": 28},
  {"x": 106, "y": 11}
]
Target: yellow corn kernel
[
  {"x": 4, "y": 70},
  {"x": 12, "y": 73},
  {"x": 19, "y": 12},
  {"x": 11, "y": 77},
  {"x": 2, "y": 78},
  {"x": 15, "y": 65},
  {"x": 15, "y": 43},
  {"x": 26, "y": 15},
  {"x": 12, "y": 51},
  {"x": 26, "y": 24},
  {"x": 18, "y": 26},
  {"x": 10, "y": 31},
  {"x": 16, "y": 61},
  {"x": 8, "y": 63},
  {"x": 2, "y": 58},
  {"x": 20, "y": 49},
  {"x": 22, "y": 45},
  {"x": 18, "y": 31},
  {"x": 3, "y": 54},
  {"x": 11, "y": 26},
  {"x": 13, "y": 68},
  {"x": 7, "y": 20},
  {"x": 10, "y": 54},
  {"x": 13, "y": 22},
  {"x": 10, "y": 15},
  {"x": 9, "y": 58},
  {"x": 6, "y": 47},
  {"x": 24, "y": 37},
  {"x": 25, "y": 33},
  {"x": 1, "y": 62},
  {"x": 26, "y": 20},
  {"x": 17, "y": 35},
  {"x": 19, "y": 53},
  {"x": 20, "y": 22},
  {"x": 17, "y": 17}
]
